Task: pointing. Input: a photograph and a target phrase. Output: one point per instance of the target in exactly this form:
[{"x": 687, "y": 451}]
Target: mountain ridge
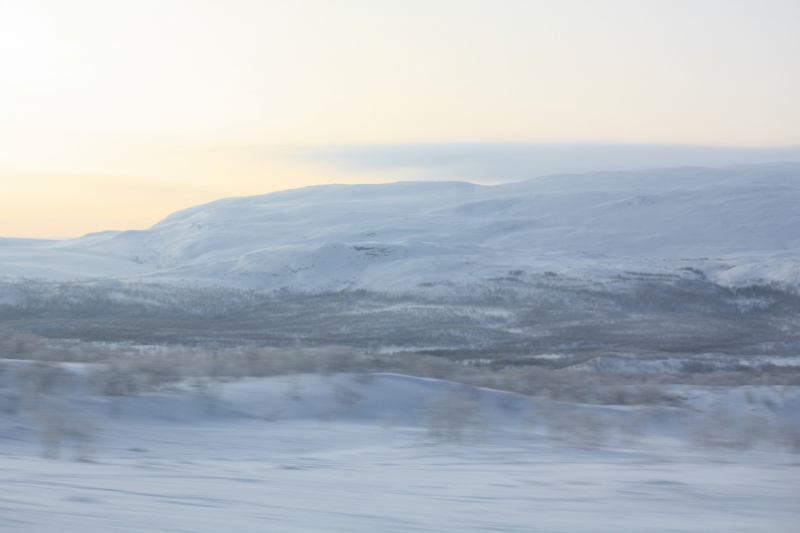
[{"x": 738, "y": 225}]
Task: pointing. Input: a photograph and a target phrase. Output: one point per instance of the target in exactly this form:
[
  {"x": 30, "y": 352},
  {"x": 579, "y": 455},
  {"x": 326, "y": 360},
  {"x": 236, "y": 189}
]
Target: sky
[{"x": 115, "y": 114}]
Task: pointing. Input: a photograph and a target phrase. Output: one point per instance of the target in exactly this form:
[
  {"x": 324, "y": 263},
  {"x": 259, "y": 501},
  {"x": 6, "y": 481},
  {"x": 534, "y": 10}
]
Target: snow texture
[
  {"x": 736, "y": 226},
  {"x": 351, "y": 453}
]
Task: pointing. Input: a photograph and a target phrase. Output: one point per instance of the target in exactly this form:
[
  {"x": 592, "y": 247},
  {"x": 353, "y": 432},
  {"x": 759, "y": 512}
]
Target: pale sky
[{"x": 115, "y": 113}]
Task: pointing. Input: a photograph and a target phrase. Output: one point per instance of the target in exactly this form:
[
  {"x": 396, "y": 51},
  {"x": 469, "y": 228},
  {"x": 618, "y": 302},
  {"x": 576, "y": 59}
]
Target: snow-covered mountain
[{"x": 738, "y": 225}]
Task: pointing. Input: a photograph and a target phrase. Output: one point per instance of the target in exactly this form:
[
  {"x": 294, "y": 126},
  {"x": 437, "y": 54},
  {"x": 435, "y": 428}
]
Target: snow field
[{"x": 385, "y": 453}]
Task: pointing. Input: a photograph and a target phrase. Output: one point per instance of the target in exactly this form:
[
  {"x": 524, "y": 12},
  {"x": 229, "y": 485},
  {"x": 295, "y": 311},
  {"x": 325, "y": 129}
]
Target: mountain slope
[{"x": 738, "y": 225}]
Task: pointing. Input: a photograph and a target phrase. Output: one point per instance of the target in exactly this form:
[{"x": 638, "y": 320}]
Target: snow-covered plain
[
  {"x": 353, "y": 453},
  {"x": 737, "y": 225}
]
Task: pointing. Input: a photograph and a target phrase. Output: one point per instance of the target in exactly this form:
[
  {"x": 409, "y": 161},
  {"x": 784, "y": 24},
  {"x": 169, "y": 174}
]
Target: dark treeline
[{"x": 511, "y": 317}]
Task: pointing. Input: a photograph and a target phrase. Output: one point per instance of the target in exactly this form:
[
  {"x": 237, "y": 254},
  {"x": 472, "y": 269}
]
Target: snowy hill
[
  {"x": 738, "y": 225},
  {"x": 341, "y": 453}
]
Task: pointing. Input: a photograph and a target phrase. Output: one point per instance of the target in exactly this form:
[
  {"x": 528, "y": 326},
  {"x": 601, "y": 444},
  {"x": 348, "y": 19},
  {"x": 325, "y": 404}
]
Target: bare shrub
[
  {"x": 433, "y": 367},
  {"x": 339, "y": 359},
  {"x": 769, "y": 403},
  {"x": 633, "y": 427},
  {"x": 556, "y": 418},
  {"x": 713, "y": 430},
  {"x": 345, "y": 397},
  {"x": 719, "y": 430},
  {"x": 117, "y": 378},
  {"x": 576, "y": 426},
  {"x": 294, "y": 391},
  {"x": 10, "y": 395},
  {"x": 62, "y": 426},
  {"x": 207, "y": 393},
  {"x": 255, "y": 363},
  {"x": 654, "y": 395},
  {"x": 42, "y": 378},
  {"x": 587, "y": 429},
  {"x": 454, "y": 415},
  {"x": 749, "y": 397},
  {"x": 299, "y": 360}
]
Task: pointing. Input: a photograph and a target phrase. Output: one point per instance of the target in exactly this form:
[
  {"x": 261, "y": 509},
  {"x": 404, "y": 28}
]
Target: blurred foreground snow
[{"x": 388, "y": 453}]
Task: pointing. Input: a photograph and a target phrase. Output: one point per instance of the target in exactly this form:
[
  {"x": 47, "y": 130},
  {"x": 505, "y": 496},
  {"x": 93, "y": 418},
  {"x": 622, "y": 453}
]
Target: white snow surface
[
  {"x": 738, "y": 225},
  {"x": 339, "y": 453}
]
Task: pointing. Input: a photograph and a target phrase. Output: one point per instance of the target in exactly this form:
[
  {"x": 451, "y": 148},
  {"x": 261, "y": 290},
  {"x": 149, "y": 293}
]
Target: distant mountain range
[{"x": 735, "y": 226}]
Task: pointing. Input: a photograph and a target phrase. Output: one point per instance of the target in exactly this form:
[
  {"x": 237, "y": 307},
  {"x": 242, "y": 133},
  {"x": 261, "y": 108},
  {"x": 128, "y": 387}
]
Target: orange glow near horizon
[
  {"x": 183, "y": 93},
  {"x": 56, "y": 205}
]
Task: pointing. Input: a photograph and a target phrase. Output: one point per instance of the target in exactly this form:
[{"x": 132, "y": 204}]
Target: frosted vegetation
[
  {"x": 305, "y": 438},
  {"x": 43, "y": 370}
]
